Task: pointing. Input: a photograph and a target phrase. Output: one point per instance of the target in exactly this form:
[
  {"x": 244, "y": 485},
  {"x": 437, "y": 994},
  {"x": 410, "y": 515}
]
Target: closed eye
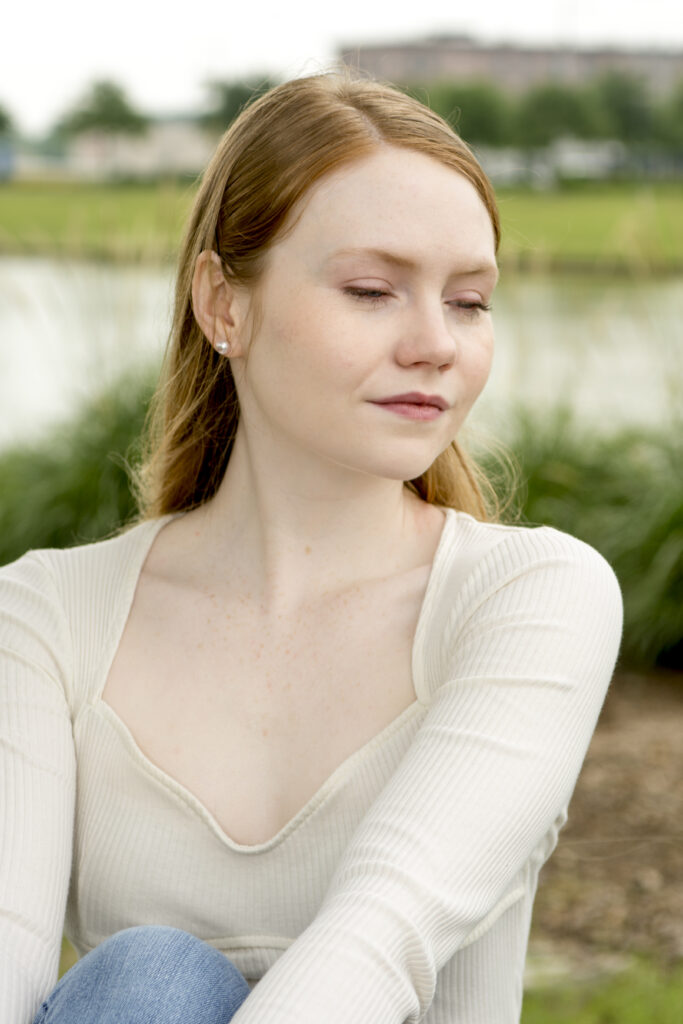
[
  {"x": 370, "y": 297},
  {"x": 370, "y": 294},
  {"x": 471, "y": 308},
  {"x": 375, "y": 297}
]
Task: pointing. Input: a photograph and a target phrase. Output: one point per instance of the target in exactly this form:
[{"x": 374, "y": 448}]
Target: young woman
[{"x": 294, "y": 747}]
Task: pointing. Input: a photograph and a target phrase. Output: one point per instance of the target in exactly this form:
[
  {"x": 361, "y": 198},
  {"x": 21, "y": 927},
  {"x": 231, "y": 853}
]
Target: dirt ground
[{"x": 614, "y": 885}]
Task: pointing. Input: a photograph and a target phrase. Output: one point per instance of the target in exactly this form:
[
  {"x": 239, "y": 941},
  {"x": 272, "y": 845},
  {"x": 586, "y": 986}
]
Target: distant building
[
  {"x": 562, "y": 159},
  {"x": 171, "y": 145},
  {"x": 511, "y": 66}
]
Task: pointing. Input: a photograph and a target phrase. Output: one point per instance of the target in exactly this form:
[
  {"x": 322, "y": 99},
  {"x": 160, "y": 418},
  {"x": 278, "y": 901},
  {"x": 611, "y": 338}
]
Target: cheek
[
  {"x": 479, "y": 361},
  {"x": 298, "y": 363},
  {"x": 318, "y": 347}
]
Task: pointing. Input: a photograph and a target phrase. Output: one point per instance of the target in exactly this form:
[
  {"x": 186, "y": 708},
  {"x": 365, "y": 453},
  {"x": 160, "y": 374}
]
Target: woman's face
[{"x": 380, "y": 288}]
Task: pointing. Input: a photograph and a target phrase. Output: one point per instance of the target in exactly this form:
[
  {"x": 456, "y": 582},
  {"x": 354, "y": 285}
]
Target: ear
[{"x": 214, "y": 301}]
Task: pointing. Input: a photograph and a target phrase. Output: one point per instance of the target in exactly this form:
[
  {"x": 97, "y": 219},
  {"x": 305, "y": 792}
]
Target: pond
[{"x": 611, "y": 347}]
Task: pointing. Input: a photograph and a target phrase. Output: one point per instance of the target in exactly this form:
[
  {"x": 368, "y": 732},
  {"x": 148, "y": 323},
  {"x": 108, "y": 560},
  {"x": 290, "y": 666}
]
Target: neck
[{"x": 285, "y": 545}]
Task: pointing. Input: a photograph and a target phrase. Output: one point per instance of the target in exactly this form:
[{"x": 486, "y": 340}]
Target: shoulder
[
  {"x": 66, "y": 571},
  {"x": 55, "y": 604},
  {"x": 522, "y": 602},
  {"x": 489, "y": 554},
  {"x": 532, "y": 572}
]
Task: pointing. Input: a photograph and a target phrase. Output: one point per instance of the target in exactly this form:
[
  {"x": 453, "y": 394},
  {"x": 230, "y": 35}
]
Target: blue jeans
[{"x": 147, "y": 975}]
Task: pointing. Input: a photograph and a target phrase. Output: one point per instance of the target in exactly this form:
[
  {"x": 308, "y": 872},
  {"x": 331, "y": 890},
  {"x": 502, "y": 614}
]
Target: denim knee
[{"x": 145, "y": 975}]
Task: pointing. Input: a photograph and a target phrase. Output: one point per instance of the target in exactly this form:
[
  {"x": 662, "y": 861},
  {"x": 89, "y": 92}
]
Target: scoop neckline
[{"x": 329, "y": 785}]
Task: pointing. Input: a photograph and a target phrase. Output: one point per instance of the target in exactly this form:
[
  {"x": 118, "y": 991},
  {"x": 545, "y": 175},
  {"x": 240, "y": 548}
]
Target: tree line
[{"x": 616, "y": 105}]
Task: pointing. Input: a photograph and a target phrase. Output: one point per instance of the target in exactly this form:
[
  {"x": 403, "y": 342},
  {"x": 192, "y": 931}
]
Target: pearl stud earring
[{"x": 223, "y": 347}]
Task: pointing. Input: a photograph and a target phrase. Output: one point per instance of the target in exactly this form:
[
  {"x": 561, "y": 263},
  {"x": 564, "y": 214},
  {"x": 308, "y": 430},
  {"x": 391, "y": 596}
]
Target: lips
[{"x": 415, "y": 398}]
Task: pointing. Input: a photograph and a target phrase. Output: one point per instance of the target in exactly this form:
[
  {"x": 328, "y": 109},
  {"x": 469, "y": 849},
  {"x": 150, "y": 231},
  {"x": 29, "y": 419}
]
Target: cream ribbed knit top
[{"x": 403, "y": 890}]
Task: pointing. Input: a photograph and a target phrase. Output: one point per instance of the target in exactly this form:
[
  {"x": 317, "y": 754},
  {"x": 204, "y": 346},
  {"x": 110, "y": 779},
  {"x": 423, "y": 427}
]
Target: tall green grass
[
  {"x": 623, "y": 494},
  {"x": 620, "y": 493},
  {"x": 72, "y": 487}
]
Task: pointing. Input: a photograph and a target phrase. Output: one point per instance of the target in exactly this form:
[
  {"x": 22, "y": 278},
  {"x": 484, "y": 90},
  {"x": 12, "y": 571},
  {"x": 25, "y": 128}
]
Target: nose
[{"x": 428, "y": 335}]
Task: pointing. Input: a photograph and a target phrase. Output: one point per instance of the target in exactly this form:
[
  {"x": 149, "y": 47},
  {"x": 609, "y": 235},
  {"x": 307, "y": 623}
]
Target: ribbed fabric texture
[{"x": 403, "y": 890}]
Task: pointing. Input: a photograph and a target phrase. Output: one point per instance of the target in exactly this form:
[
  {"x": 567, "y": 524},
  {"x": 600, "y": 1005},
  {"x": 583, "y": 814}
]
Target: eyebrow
[{"x": 396, "y": 259}]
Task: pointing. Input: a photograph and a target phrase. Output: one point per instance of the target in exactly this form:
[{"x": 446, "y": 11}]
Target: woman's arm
[
  {"x": 37, "y": 786},
  {"x": 534, "y": 640}
]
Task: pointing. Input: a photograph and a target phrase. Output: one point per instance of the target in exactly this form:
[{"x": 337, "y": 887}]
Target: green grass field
[
  {"x": 643, "y": 994},
  {"x": 619, "y": 228},
  {"x": 636, "y": 228},
  {"x": 137, "y": 222}
]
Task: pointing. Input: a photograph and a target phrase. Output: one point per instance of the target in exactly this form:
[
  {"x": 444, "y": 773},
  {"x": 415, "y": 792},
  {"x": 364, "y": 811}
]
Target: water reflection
[
  {"x": 68, "y": 328},
  {"x": 612, "y": 347}
]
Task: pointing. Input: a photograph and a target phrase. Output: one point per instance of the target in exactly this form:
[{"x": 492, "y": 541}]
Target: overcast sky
[{"x": 162, "y": 53}]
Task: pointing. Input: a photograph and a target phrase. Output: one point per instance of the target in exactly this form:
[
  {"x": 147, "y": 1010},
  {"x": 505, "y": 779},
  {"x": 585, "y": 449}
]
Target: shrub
[{"x": 620, "y": 493}]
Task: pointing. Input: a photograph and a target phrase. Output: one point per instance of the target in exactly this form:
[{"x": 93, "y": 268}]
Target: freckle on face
[{"x": 320, "y": 359}]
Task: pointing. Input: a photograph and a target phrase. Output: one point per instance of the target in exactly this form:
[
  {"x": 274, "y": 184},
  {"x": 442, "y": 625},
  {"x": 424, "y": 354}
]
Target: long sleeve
[
  {"x": 37, "y": 786},
  {"x": 532, "y": 641}
]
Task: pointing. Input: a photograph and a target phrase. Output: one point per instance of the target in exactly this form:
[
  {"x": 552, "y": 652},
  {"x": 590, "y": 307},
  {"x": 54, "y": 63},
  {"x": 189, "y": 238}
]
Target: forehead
[{"x": 393, "y": 199}]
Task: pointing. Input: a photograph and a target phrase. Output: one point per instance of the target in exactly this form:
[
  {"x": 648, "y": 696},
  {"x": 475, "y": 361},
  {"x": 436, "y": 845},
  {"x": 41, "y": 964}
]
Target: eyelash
[{"x": 376, "y": 297}]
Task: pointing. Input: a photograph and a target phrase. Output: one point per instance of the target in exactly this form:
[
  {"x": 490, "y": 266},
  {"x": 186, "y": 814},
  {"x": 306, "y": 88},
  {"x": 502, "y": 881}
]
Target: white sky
[{"x": 162, "y": 53}]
